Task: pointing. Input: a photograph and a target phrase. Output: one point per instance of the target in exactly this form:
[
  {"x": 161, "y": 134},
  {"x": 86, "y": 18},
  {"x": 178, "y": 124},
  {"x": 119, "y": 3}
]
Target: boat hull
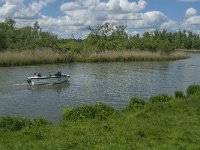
[{"x": 47, "y": 80}]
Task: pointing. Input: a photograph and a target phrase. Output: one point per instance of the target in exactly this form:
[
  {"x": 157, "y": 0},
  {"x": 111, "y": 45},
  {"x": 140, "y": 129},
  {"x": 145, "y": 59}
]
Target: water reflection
[{"x": 58, "y": 88}]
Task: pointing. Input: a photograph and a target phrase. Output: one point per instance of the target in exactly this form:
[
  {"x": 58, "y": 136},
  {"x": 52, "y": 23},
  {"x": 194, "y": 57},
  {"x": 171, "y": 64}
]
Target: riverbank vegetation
[
  {"x": 9, "y": 58},
  {"x": 19, "y": 58},
  {"x": 100, "y": 40},
  {"x": 164, "y": 122}
]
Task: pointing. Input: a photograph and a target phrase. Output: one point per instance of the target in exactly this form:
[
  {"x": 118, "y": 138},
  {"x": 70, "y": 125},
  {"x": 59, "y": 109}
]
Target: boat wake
[{"x": 20, "y": 84}]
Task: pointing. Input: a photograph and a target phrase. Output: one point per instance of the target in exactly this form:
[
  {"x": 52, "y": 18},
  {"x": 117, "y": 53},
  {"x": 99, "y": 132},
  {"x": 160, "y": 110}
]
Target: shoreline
[
  {"x": 27, "y": 58},
  {"x": 189, "y": 51},
  {"x": 141, "y": 125}
]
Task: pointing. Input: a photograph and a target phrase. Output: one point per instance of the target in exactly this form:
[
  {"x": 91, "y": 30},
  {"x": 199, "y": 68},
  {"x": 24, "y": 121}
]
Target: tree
[
  {"x": 36, "y": 30},
  {"x": 10, "y": 23},
  {"x": 2, "y": 41}
]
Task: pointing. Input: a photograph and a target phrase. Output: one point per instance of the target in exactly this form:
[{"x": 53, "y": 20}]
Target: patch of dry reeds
[
  {"x": 33, "y": 57},
  {"x": 136, "y": 56}
]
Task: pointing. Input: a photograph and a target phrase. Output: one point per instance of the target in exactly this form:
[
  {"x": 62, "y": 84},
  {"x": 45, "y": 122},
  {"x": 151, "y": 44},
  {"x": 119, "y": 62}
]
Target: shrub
[
  {"x": 81, "y": 112},
  {"x": 135, "y": 102},
  {"x": 99, "y": 111},
  {"x": 103, "y": 111},
  {"x": 14, "y": 123},
  {"x": 179, "y": 94},
  {"x": 193, "y": 89},
  {"x": 160, "y": 98},
  {"x": 38, "y": 122},
  {"x": 66, "y": 113}
]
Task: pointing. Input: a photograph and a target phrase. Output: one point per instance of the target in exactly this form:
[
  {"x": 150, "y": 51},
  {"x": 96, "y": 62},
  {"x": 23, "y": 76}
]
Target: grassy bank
[
  {"x": 162, "y": 123},
  {"x": 35, "y": 57}
]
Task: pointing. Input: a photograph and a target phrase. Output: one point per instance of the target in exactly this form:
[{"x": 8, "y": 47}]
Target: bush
[
  {"x": 135, "y": 102},
  {"x": 179, "y": 94},
  {"x": 160, "y": 98},
  {"x": 193, "y": 89},
  {"x": 38, "y": 122},
  {"x": 14, "y": 123},
  {"x": 81, "y": 112},
  {"x": 17, "y": 123},
  {"x": 66, "y": 112},
  {"x": 99, "y": 111},
  {"x": 103, "y": 111}
]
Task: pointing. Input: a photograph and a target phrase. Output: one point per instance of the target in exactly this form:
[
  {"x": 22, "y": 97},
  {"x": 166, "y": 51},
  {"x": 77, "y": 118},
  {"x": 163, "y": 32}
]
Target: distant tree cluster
[
  {"x": 13, "y": 38},
  {"x": 101, "y": 38},
  {"x": 109, "y": 37}
]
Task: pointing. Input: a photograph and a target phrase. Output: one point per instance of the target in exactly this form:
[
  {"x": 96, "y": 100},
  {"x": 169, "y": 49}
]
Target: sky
[{"x": 73, "y": 17}]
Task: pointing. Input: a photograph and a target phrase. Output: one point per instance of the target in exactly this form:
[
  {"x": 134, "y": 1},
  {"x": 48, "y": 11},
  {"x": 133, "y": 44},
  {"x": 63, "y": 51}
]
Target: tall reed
[
  {"x": 135, "y": 56},
  {"x": 10, "y": 58},
  {"x": 35, "y": 57}
]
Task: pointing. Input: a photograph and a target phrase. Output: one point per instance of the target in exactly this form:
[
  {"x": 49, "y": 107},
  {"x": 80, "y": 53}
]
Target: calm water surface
[{"x": 111, "y": 83}]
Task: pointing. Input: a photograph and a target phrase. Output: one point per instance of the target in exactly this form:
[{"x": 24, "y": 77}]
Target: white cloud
[
  {"x": 117, "y": 12},
  {"x": 190, "y": 12},
  {"x": 192, "y": 17},
  {"x": 194, "y": 20},
  {"x": 17, "y": 8},
  {"x": 78, "y": 15},
  {"x": 10, "y": 7}
]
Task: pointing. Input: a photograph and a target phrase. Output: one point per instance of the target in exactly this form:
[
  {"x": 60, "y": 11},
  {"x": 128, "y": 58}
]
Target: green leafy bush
[
  {"x": 17, "y": 123},
  {"x": 14, "y": 123},
  {"x": 179, "y": 94},
  {"x": 66, "y": 112},
  {"x": 135, "y": 102},
  {"x": 38, "y": 122},
  {"x": 193, "y": 89},
  {"x": 99, "y": 111},
  {"x": 81, "y": 112},
  {"x": 102, "y": 111},
  {"x": 160, "y": 98}
]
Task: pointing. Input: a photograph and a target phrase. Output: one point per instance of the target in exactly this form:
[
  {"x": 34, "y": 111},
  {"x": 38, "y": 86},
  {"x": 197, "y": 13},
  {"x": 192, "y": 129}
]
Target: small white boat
[{"x": 37, "y": 79}]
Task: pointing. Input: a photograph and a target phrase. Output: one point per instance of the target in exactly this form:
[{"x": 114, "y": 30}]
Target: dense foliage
[
  {"x": 193, "y": 89},
  {"x": 98, "y": 111},
  {"x": 102, "y": 37},
  {"x": 24, "y": 38}
]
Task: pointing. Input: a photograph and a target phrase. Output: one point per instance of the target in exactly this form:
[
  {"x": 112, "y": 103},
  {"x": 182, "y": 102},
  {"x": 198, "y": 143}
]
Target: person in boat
[
  {"x": 50, "y": 74},
  {"x": 39, "y": 75},
  {"x": 58, "y": 73}
]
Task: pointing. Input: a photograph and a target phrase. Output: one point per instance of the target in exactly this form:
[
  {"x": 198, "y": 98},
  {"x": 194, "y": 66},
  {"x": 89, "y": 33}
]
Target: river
[{"x": 111, "y": 83}]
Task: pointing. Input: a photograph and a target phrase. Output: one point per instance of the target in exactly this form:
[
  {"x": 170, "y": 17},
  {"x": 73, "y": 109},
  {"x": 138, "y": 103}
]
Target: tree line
[
  {"x": 102, "y": 37},
  {"x": 24, "y": 38}
]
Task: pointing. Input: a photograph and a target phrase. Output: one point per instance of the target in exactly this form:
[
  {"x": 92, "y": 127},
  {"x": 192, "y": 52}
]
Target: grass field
[{"x": 162, "y": 123}]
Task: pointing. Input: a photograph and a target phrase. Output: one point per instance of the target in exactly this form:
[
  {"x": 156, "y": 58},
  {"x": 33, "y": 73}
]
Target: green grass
[
  {"x": 172, "y": 124},
  {"x": 34, "y": 57}
]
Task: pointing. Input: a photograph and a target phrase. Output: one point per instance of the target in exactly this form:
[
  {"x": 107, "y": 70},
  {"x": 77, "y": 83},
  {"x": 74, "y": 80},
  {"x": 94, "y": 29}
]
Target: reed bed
[
  {"x": 10, "y": 58},
  {"x": 36, "y": 57},
  {"x": 136, "y": 56}
]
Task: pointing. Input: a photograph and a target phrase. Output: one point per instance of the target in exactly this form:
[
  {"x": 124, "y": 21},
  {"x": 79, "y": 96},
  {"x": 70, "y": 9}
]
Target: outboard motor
[{"x": 29, "y": 81}]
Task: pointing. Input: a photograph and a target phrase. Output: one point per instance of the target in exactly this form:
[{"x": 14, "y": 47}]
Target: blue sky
[{"x": 67, "y": 17}]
